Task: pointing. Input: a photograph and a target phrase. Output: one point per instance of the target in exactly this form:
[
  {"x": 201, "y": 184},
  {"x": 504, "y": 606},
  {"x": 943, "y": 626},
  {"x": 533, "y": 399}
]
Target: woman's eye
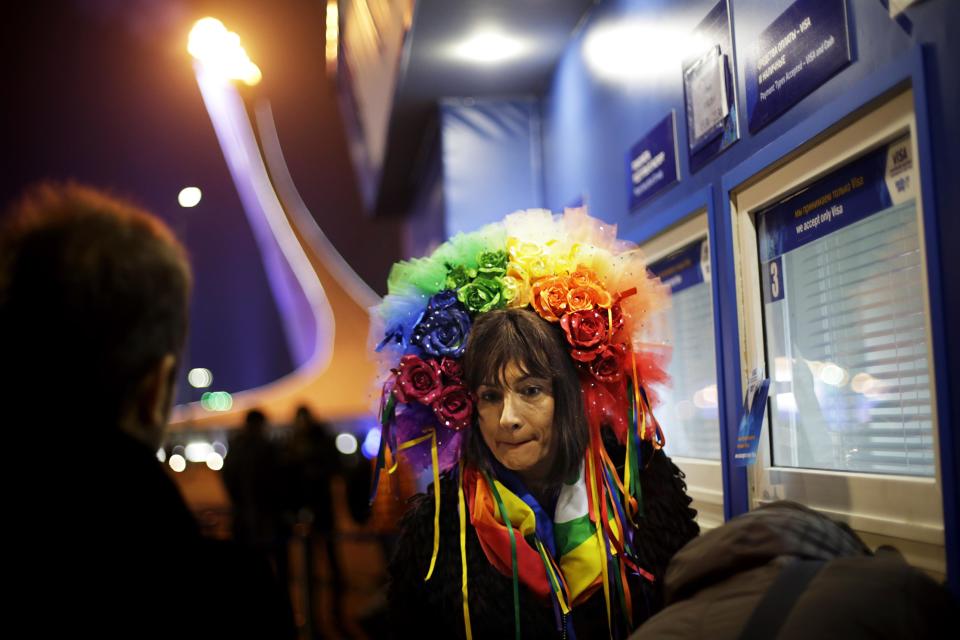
[
  {"x": 489, "y": 396},
  {"x": 532, "y": 391}
]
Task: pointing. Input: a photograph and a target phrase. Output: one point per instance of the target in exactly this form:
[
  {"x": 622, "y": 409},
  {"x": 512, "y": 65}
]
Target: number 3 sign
[{"x": 774, "y": 280}]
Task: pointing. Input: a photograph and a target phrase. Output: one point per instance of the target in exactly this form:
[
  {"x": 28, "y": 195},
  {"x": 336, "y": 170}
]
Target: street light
[
  {"x": 219, "y": 51},
  {"x": 219, "y": 63}
]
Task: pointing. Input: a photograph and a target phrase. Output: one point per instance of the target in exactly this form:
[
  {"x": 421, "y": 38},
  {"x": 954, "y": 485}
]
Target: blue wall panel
[{"x": 491, "y": 160}]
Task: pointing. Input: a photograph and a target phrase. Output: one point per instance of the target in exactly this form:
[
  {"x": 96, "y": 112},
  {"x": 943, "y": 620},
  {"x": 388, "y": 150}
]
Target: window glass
[
  {"x": 688, "y": 410},
  {"x": 845, "y": 321}
]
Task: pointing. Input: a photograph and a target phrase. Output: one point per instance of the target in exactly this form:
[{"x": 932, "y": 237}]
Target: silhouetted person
[
  {"x": 788, "y": 572},
  {"x": 315, "y": 461},
  {"x": 254, "y": 478},
  {"x": 93, "y": 317}
]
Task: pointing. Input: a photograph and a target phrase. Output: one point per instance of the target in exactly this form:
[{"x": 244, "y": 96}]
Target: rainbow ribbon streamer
[{"x": 431, "y": 435}]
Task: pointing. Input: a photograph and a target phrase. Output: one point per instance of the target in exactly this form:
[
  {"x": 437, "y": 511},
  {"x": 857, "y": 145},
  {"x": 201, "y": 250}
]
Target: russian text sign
[
  {"x": 652, "y": 162},
  {"x": 876, "y": 181},
  {"x": 803, "y": 48},
  {"x": 683, "y": 268}
]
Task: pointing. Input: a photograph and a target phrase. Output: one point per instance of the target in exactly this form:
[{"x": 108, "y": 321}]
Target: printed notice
[
  {"x": 683, "y": 268},
  {"x": 881, "y": 178},
  {"x": 899, "y": 177},
  {"x": 708, "y": 85},
  {"x": 751, "y": 423},
  {"x": 652, "y": 162},
  {"x": 803, "y": 48}
]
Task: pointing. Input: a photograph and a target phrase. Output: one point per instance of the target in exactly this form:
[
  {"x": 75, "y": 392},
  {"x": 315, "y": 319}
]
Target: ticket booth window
[
  {"x": 846, "y": 330},
  {"x": 689, "y": 402},
  {"x": 832, "y": 297}
]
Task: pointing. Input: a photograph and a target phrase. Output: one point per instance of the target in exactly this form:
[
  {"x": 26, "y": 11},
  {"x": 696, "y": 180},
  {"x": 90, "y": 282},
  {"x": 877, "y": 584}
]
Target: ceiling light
[
  {"x": 635, "y": 49},
  {"x": 489, "y": 47}
]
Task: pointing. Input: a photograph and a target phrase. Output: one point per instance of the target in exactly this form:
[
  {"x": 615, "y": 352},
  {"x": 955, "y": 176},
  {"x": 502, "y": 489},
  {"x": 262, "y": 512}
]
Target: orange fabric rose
[
  {"x": 588, "y": 297},
  {"x": 549, "y": 297},
  {"x": 601, "y": 297},
  {"x": 584, "y": 277},
  {"x": 580, "y": 299}
]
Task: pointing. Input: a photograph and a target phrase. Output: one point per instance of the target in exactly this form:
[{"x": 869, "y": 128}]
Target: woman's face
[{"x": 516, "y": 420}]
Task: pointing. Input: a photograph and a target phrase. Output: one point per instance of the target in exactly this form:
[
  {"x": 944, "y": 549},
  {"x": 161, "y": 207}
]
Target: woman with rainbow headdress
[{"x": 514, "y": 369}]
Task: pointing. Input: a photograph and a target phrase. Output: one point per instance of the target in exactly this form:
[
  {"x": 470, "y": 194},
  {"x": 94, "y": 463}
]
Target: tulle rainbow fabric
[{"x": 571, "y": 270}]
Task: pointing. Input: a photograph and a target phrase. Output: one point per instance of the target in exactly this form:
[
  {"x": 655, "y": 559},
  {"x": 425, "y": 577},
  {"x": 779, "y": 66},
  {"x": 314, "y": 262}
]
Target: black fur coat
[{"x": 434, "y": 609}]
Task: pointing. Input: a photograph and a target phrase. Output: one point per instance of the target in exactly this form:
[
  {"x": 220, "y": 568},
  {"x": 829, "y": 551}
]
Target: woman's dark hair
[{"x": 499, "y": 338}]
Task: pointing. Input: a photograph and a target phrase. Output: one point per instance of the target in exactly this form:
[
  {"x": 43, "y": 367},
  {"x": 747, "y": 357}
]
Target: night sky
[{"x": 103, "y": 92}]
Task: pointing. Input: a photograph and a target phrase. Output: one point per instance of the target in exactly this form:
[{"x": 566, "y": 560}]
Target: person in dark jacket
[
  {"x": 314, "y": 462},
  {"x": 719, "y": 586},
  {"x": 93, "y": 316},
  {"x": 255, "y": 477}
]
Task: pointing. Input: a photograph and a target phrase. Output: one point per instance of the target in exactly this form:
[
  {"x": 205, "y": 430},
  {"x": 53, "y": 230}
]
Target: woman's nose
[{"x": 510, "y": 415}]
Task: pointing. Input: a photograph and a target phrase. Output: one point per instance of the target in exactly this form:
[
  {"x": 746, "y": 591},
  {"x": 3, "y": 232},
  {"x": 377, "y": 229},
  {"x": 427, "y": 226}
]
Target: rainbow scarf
[{"x": 565, "y": 558}]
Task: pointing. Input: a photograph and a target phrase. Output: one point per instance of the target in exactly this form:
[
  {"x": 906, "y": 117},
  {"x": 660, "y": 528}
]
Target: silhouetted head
[
  {"x": 93, "y": 309},
  {"x": 255, "y": 422},
  {"x": 302, "y": 418}
]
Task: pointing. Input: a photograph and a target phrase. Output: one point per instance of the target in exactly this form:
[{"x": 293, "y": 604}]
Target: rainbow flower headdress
[{"x": 571, "y": 270}]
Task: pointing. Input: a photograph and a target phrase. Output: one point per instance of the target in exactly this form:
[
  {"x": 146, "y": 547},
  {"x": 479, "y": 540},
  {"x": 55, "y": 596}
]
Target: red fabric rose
[
  {"x": 586, "y": 332},
  {"x": 608, "y": 365},
  {"x": 452, "y": 370},
  {"x": 454, "y": 407},
  {"x": 616, "y": 314},
  {"x": 417, "y": 380}
]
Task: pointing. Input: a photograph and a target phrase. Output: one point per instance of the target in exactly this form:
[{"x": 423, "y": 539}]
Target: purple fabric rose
[
  {"x": 442, "y": 300},
  {"x": 443, "y": 329}
]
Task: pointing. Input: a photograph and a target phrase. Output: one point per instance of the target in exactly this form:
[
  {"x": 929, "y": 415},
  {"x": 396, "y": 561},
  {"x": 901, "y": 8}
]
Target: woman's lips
[{"x": 515, "y": 445}]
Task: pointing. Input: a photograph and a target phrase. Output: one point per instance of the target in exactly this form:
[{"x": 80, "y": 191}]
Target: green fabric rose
[
  {"x": 482, "y": 295},
  {"x": 459, "y": 276},
  {"x": 492, "y": 264}
]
